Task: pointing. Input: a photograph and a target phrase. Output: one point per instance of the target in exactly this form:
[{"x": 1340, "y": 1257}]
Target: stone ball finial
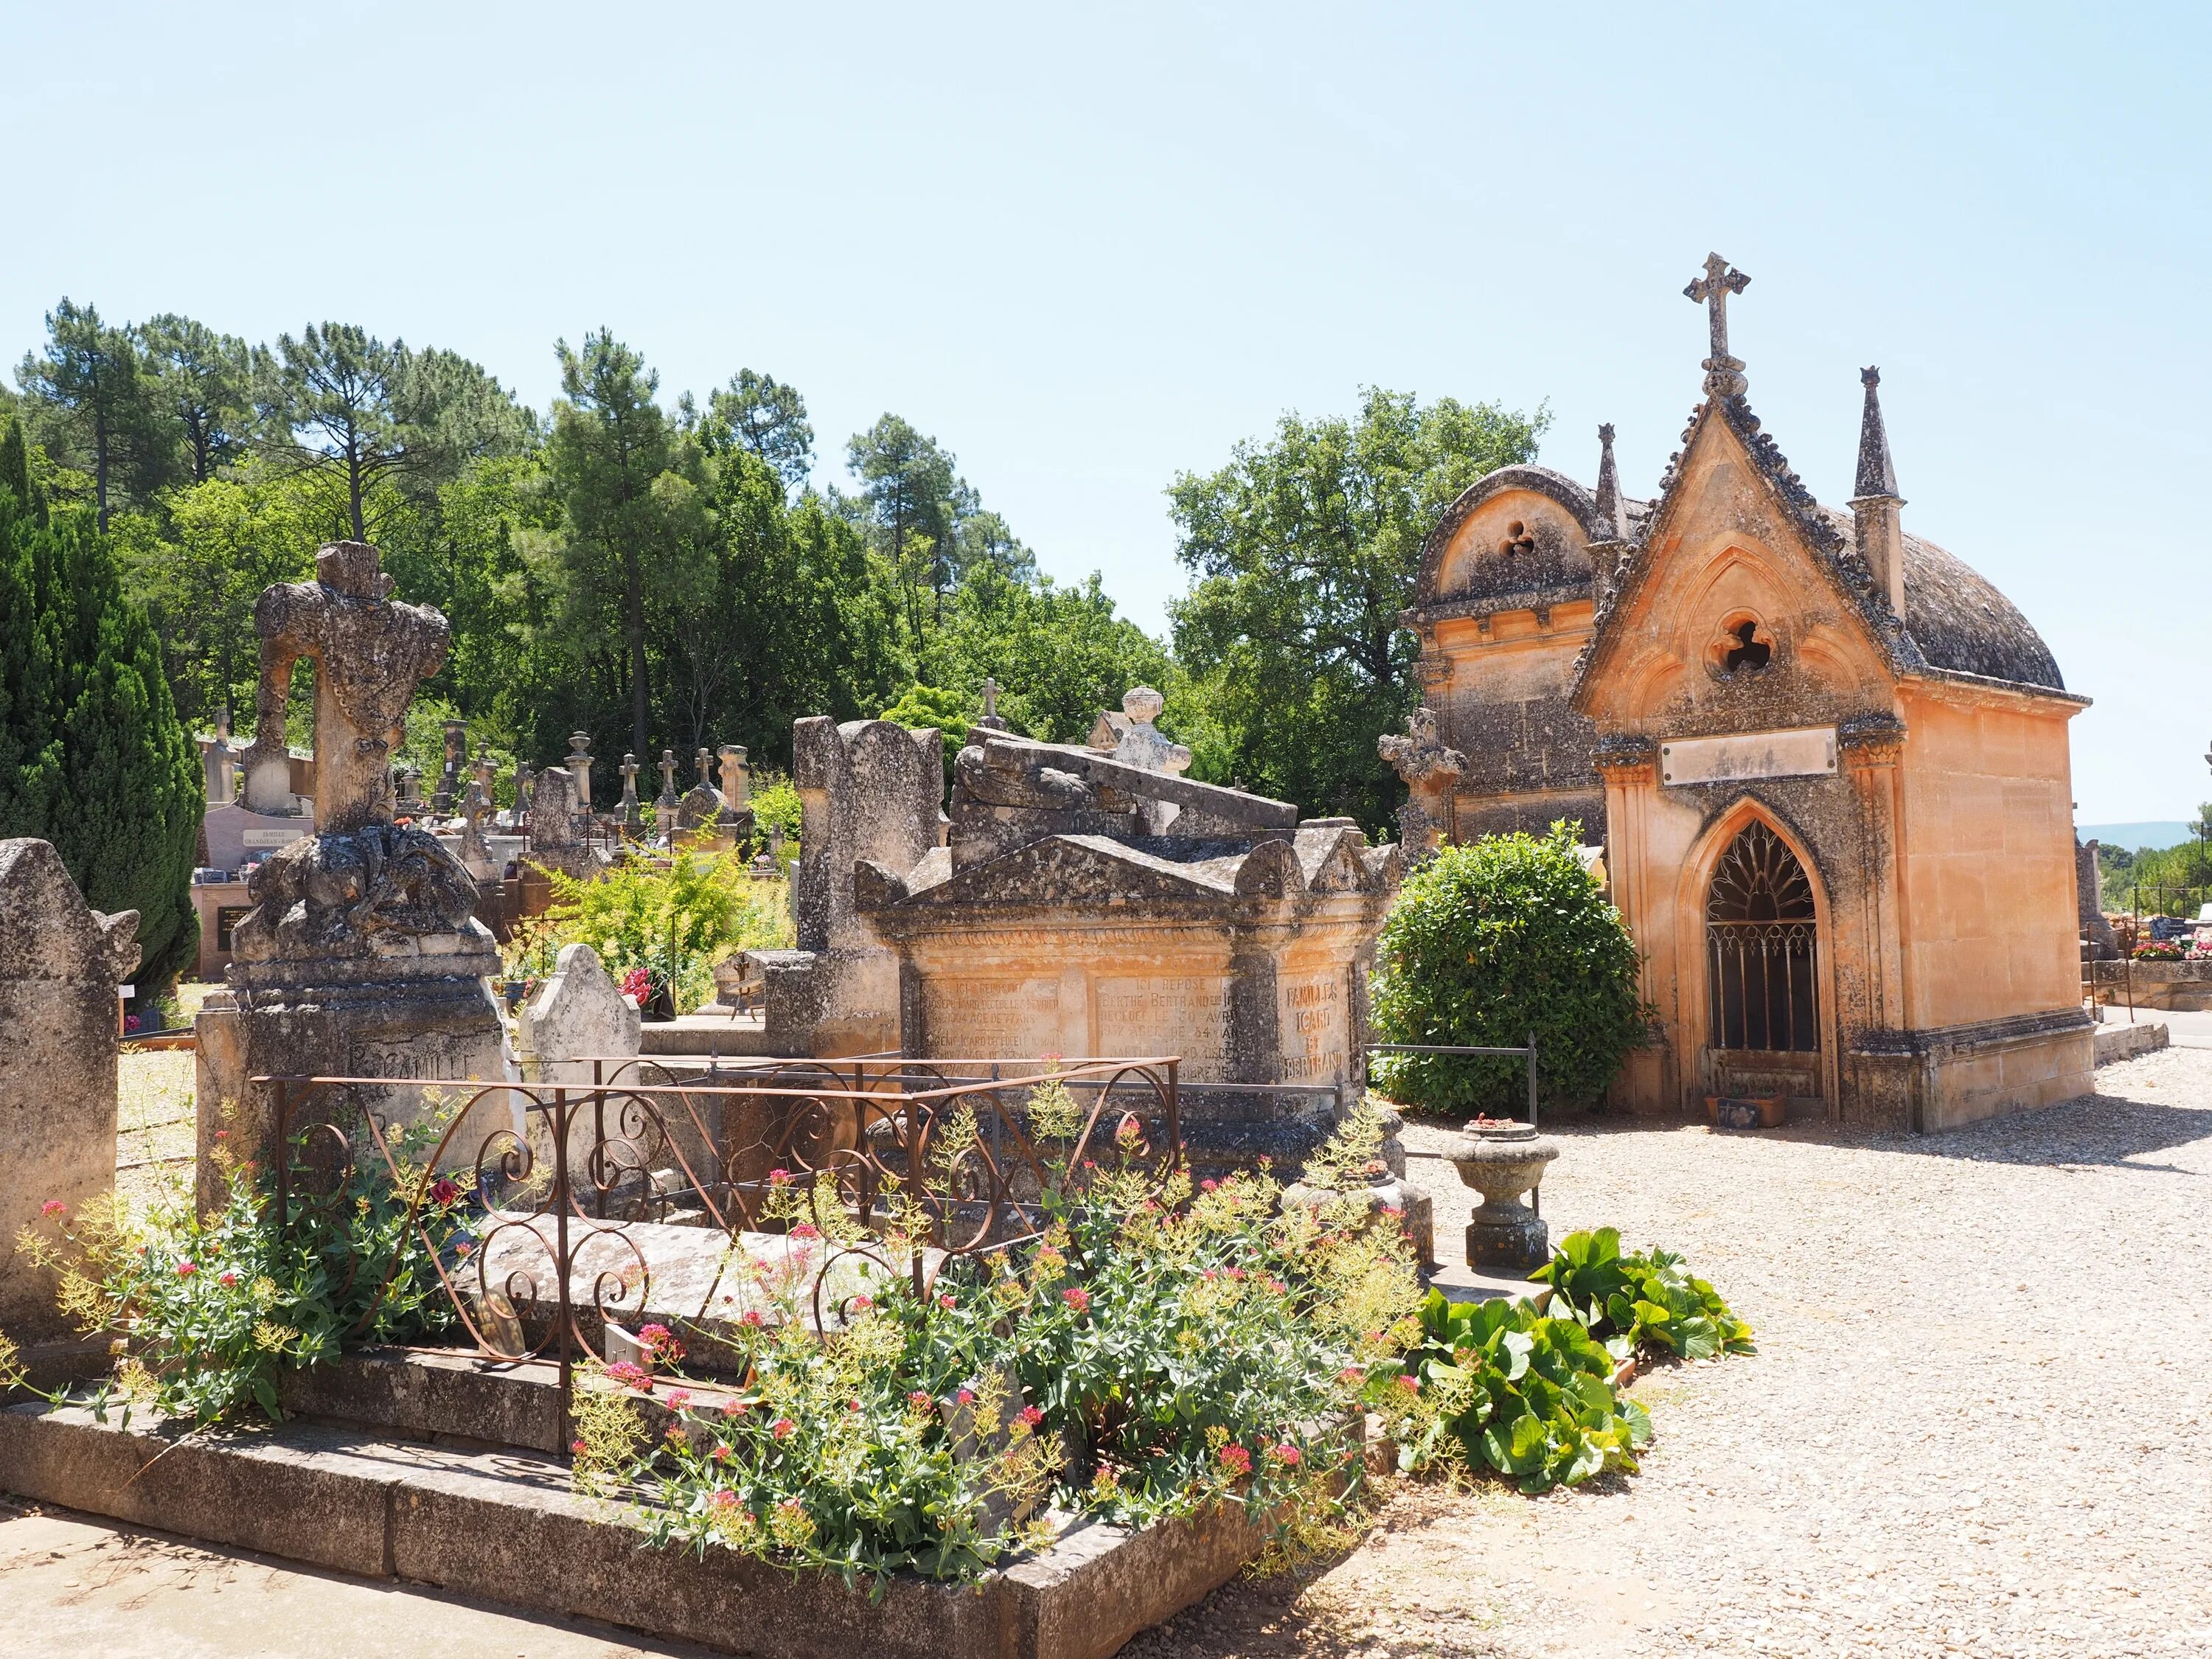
[{"x": 1143, "y": 704}]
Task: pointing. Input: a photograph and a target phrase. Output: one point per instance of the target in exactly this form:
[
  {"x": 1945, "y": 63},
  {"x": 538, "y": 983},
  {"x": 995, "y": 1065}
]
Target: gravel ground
[{"x": 1980, "y": 1420}]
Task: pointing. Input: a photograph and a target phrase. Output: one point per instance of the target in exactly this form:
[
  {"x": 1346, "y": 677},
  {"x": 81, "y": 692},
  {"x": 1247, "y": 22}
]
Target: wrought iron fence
[{"x": 546, "y": 1211}]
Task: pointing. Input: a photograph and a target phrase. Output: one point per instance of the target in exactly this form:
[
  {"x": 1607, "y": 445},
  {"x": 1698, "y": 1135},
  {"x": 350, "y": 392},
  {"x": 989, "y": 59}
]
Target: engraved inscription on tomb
[
  {"x": 1183, "y": 1015},
  {"x": 1808, "y": 751},
  {"x": 1310, "y": 1012}
]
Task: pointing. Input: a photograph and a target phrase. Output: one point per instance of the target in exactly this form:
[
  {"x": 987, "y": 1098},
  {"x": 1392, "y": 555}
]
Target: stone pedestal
[
  {"x": 60, "y": 963},
  {"x": 1501, "y": 1165}
]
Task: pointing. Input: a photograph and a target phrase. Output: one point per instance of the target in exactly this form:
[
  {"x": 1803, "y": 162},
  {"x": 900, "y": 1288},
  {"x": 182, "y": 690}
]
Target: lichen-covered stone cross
[{"x": 1723, "y": 374}]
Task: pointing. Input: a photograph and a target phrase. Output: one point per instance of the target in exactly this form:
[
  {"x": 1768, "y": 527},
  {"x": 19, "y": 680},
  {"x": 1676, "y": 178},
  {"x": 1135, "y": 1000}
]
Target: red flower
[
  {"x": 1032, "y": 1416},
  {"x": 631, "y": 1376},
  {"x": 1235, "y": 1460},
  {"x": 1208, "y": 1184},
  {"x": 723, "y": 1502},
  {"x": 965, "y": 1397},
  {"x": 679, "y": 1399},
  {"x": 806, "y": 1229},
  {"x": 1076, "y": 1297},
  {"x": 226, "y": 1279},
  {"x": 945, "y": 1301},
  {"x": 1410, "y": 1383},
  {"x": 444, "y": 1192},
  {"x": 778, "y": 1177},
  {"x": 861, "y": 1303},
  {"x": 736, "y": 1407},
  {"x": 1287, "y": 1455},
  {"x": 723, "y": 1454},
  {"x": 920, "y": 1401},
  {"x": 781, "y": 1428},
  {"x": 186, "y": 1269},
  {"x": 578, "y": 1447},
  {"x": 852, "y": 1404},
  {"x": 752, "y": 1317},
  {"x": 53, "y": 1206},
  {"x": 1351, "y": 1374}
]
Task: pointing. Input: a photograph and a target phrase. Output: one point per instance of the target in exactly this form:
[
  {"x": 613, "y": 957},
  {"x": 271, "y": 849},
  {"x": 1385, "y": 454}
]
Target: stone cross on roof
[{"x": 1723, "y": 374}]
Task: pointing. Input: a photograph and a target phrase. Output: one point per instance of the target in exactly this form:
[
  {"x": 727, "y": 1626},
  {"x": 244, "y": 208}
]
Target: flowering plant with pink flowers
[
  {"x": 1159, "y": 1348},
  {"x": 206, "y": 1312}
]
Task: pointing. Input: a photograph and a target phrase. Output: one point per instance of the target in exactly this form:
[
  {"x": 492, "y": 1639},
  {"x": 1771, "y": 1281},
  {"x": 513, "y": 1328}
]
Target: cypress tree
[{"x": 93, "y": 757}]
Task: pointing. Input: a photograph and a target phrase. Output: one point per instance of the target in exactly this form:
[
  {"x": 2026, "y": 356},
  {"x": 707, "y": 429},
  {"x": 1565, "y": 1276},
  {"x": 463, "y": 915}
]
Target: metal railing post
[
  {"x": 1532, "y": 1080},
  {"x": 560, "y": 1256}
]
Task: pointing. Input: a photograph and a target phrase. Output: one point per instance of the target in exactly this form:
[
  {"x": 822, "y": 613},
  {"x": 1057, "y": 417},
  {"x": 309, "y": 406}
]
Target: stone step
[{"x": 503, "y": 1524}]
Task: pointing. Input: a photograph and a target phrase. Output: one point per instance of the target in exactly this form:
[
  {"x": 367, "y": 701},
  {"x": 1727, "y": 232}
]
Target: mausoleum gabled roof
[{"x": 1956, "y": 622}]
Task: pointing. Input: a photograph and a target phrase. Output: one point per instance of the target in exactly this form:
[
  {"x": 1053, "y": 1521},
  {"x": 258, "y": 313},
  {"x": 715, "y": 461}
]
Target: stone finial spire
[
  {"x": 1875, "y": 523},
  {"x": 1723, "y": 374},
  {"x": 1609, "y": 546},
  {"x": 1876, "y": 476},
  {"x": 1612, "y": 510}
]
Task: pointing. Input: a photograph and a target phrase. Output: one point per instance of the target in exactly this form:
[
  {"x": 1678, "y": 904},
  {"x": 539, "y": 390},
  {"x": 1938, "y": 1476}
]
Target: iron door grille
[{"x": 1762, "y": 948}]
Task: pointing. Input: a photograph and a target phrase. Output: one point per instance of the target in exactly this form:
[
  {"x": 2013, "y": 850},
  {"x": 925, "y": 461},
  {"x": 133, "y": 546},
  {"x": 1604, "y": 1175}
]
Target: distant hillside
[{"x": 2135, "y": 837}]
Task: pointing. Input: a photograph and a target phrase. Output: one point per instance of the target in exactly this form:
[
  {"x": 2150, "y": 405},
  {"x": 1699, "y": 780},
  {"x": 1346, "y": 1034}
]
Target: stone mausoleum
[
  {"x": 1827, "y": 760},
  {"x": 1079, "y": 900}
]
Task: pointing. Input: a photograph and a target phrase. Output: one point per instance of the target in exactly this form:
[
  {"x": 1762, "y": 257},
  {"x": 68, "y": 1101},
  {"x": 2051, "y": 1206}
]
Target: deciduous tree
[{"x": 1303, "y": 551}]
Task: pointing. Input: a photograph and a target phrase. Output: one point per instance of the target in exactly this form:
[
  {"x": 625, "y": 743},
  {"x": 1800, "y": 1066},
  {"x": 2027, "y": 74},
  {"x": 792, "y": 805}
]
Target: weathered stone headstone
[
  {"x": 663, "y": 805},
  {"x": 554, "y": 841},
  {"x": 736, "y": 784},
  {"x": 60, "y": 963},
  {"x": 632, "y": 816},
  {"x": 578, "y": 1014},
  {"x": 219, "y": 760},
  {"x": 362, "y": 955},
  {"x": 448, "y": 792}
]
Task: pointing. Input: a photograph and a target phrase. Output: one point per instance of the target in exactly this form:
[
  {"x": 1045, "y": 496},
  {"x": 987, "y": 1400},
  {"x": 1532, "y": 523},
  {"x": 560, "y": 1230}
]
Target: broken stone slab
[
  {"x": 697, "y": 1280},
  {"x": 504, "y": 1525}
]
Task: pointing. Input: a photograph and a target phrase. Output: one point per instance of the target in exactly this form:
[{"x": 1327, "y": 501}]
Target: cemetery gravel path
[{"x": 1980, "y": 1422}]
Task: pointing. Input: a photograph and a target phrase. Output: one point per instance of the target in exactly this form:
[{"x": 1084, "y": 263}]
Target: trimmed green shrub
[
  {"x": 1491, "y": 941},
  {"x": 93, "y": 757}
]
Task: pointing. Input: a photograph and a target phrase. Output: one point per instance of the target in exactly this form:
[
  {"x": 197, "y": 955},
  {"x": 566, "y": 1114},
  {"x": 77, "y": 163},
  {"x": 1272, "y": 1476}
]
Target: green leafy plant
[
  {"x": 1496, "y": 1385},
  {"x": 1643, "y": 1300},
  {"x": 675, "y": 922},
  {"x": 1488, "y": 942},
  {"x": 775, "y": 806}
]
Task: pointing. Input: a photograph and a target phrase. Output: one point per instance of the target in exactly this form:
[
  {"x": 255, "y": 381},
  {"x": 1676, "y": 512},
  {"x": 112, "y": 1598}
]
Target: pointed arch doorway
[{"x": 1764, "y": 1018}]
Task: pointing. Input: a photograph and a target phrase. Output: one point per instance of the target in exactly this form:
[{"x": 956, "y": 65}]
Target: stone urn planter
[{"x": 1503, "y": 1160}]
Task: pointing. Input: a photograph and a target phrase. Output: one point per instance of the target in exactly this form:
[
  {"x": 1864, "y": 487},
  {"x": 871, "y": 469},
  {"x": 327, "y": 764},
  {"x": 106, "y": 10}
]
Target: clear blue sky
[{"x": 1087, "y": 249}]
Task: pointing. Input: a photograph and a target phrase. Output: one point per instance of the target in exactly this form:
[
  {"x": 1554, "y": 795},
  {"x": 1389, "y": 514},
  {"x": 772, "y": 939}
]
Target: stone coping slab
[{"x": 504, "y": 1525}]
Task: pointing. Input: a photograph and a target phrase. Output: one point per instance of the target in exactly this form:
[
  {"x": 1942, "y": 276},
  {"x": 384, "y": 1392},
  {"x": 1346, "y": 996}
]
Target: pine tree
[{"x": 93, "y": 757}]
